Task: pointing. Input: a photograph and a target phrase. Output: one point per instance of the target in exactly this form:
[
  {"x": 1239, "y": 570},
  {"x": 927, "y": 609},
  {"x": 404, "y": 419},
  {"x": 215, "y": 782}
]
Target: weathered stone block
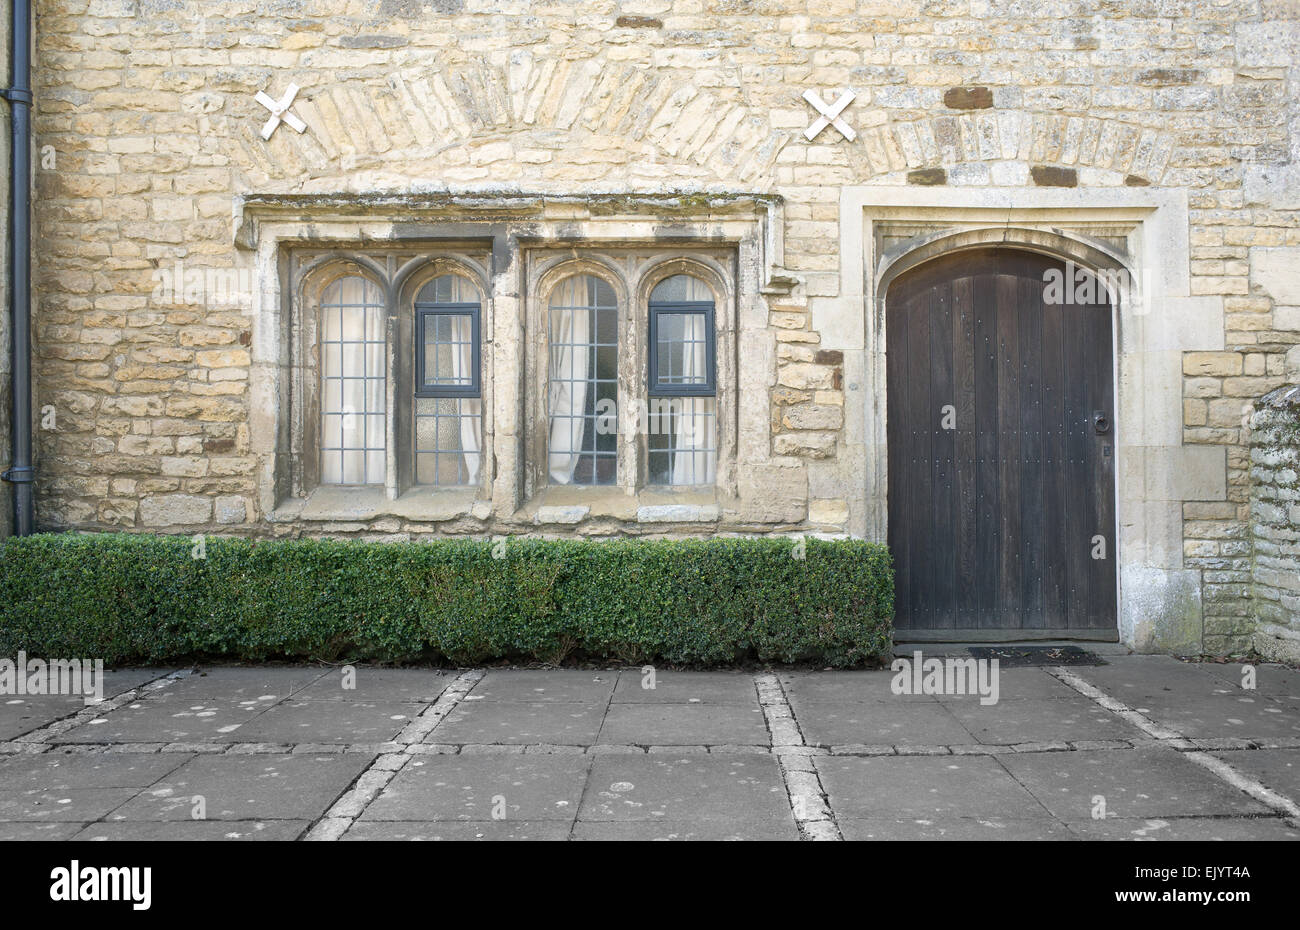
[
  {"x": 175, "y": 510},
  {"x": 564, "y": 515}
]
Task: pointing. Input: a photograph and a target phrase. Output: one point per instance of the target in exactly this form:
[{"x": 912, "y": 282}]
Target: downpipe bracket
[
  {"x": 17, "y": 95},
  {"x": 19, "y": 474}
]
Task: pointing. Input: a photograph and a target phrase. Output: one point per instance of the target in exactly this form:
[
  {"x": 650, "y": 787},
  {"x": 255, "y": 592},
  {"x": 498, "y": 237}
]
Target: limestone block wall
[
  {"x": 148, "y": 108},
  {"x": 1275, "y": 524}
]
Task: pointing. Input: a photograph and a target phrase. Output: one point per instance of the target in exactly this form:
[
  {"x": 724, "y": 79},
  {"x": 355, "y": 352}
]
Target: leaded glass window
[
  {"x": 353, "y": 370},
  {"x": 448, "y": 383},
  {"x": 683, "y": 383},
  {"x": 582, "y": 382}
]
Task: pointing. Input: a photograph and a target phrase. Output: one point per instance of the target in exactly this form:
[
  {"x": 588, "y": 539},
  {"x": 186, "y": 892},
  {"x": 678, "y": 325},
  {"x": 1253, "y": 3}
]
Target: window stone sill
[
  {"x": 358, "y": 505},
  {"x": 678, "y": 513},
  {"x": 570, "y": 506}
]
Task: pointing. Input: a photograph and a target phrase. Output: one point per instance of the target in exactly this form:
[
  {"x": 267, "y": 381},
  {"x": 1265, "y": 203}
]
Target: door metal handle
[{"x": 1100, "y": 422}]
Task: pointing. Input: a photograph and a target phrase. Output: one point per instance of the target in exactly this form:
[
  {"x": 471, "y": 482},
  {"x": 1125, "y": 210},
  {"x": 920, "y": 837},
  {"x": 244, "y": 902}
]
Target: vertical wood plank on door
[
  {"x": 1056, "y": 583},
  {"x": 1078, "y": 516},
  {"x": 965, "y": 538},
  {"x": 1029, "y": 325},
  {"x": 921, "y": 426},
  {"x": 1008, "y": 453},
  {"x": 987, "y": 503},
  {"x": 1100, "y": 468},
  {"x": 943, "y": 550}
]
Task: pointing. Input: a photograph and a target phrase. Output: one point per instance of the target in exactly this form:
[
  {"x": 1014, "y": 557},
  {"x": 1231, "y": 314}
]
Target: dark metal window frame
[
  {"x": 704, "y": 308},
  {"x": 423, "y": 311}
]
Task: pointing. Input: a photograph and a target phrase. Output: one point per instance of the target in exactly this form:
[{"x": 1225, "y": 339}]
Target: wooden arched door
[{"x": 1001, "y": 449}]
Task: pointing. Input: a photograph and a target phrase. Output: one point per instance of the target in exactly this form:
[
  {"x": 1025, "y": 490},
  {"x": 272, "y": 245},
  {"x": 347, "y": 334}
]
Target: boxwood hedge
[{"x": 128, "y": 598}]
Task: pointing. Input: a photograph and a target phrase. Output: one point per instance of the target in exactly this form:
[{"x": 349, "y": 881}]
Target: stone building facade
[{"x": 463, "y": 162}]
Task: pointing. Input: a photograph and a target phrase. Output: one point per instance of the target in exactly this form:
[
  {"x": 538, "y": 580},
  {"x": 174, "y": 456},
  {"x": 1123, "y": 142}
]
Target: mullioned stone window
[
  {"x": 494, "y": 363},
  {"x": 624, "y": 389},
  {"x": 389, "y": 371},
  {"x": 392, "y": 371}
]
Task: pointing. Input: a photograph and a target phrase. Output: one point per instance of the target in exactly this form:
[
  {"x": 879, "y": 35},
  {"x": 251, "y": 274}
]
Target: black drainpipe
[{"x": 19, "y": 95}]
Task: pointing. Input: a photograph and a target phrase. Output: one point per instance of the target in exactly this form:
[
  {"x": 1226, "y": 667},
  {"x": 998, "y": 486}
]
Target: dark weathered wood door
[{"x": 1001, "y": 450}]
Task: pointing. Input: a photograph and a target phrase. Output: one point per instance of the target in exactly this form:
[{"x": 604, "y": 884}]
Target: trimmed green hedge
[{"x": 134, "y": 598}]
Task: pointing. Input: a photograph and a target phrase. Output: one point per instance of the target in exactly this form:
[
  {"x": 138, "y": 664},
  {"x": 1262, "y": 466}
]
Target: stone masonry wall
[
  {"x": 148, "y": 108},
  {"x": 1275, "y": 524}
]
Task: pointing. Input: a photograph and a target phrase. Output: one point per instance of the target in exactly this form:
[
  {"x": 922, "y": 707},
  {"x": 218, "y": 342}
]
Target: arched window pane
[
  {"x": 448, "y": 289},
  {"x": 448, "y": 427},
  {"x": 583, "y": 382},
  {"x": 678, "y": 288},
  {"x": 353, "y": 372}
]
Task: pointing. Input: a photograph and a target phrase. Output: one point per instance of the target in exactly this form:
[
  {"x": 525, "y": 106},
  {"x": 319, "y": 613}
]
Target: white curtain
[
  {"x": 696, "y": 457},
  {"x": 470, "y": 408},
  {"x": 570, "y": 328},
  {"x": 352, "y": 387}
]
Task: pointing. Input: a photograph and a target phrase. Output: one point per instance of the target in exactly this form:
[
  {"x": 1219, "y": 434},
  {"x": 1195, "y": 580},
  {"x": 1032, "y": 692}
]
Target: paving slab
[
  {"x": 64, "y": 804},
  {"x": 924, "y": 787},
  {"x": 248, "y": 787},
  {"x": 20, "y": 831},
  {"x": 525, "y": 788},
  {"x": 119, "y": 680},
  {"x": 1271, "y": 680},
  {"x": 1187, "y": 828},
  {"x": 1136, "y": 679},
  {"x": 686, "y": 688},
  {"x": 734, "y": 788},
  {"x": 262, "y": 683},
  {"x": 954, "y": 828},
  {"x": 21, "y": 715},
  {"x": 1014, "y": 684},
  {"x": 710, "y": 831},
  {"x": 845, "y": 687},
  {"x": 501, "y": 722},
  {"x": 459, "y": 831},
  {"x": 543, "y": 685},
  {"x": 1011, "y": 722},
  {"x": 56, "y": 770},
  {"x": 1022, "y": 684},
  {"x": 168, "y": 718},
  {"x": 1202, "y": 699},
  {"x": 1134, "y": 783},
  {"x": 1241, "y": 715},
  {"x": 1278, "y": 769},
  {"x": 879, "y": 723},
  {"x": 378, "y": 686},
  {"x": 685, "y": 725},
  {"x": 325, "y": 722},
  {"x": 195, "y": 830}
]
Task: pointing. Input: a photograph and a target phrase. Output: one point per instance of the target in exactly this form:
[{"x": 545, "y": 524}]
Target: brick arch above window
[{"x": 418, "y": 117}]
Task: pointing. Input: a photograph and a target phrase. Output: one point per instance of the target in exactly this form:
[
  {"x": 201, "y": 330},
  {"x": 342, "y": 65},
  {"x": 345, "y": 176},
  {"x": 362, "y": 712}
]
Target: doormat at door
[{"x": 1019, "y": 656}]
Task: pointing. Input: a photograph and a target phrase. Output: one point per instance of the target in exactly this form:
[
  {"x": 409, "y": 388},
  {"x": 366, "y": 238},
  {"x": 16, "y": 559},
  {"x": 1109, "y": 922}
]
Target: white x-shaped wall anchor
[
  {"x": 280, "y": 111},
  {"x": 830, "y": 115}
]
